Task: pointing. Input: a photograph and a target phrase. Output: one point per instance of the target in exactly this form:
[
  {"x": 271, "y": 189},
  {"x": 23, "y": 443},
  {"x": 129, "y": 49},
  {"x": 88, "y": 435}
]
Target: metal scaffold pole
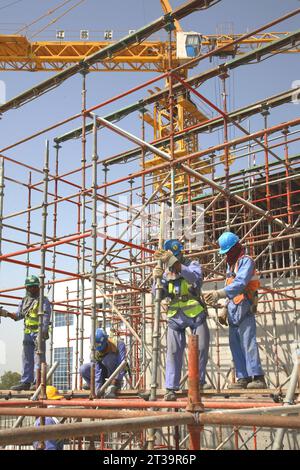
[
  {"x": 94, "y": 258},
  {"x": 83, "y": 224},
  {"x": 191, "y": 153},
  {"x": 289, "y": 399},
  {"x": 54, "y": 255},
  {"x": 2, "y": 186},
  {"x": 156, "y": 326},
  {"x": 41, "y": 343},
  {"x": 265, "y": 114},
  {"x": 105, "y": 230},
  {"x": 36, "y": 394},
  {"x": 28, "y": 221}
]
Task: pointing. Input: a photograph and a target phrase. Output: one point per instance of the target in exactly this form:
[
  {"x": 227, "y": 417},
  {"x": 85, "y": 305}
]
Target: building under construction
[{"x": 194, "y": 170}]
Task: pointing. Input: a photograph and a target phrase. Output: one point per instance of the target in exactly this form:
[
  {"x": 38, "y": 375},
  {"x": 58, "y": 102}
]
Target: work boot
[
  {"x": 170, "y": 395},
  {"x": 145, "y": 395},
  {"x": 203, "y": 387},
  {"x": 240, "y": 383},
  {"x": 21, "y": 386},
  {"x": 85, "y": 387},
  {"x": 257, "y": 382},
  {"x": 111, "y": 392},
  {"x": 33, "y": 387}
]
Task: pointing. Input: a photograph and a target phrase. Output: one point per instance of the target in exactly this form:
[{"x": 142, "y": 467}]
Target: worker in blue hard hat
[
  {"x": 110, "y": 353},
  {"x": 28, "y": 310},
  {"x": 240, "y": 290},
  {"x": 182, "y": 281}
]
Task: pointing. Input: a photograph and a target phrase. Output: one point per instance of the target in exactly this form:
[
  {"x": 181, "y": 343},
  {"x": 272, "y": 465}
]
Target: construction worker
[
  {"x": 52, "y": 394},
  {"x": 28, "y": 311},
  {"x": 110, "y": 352},
  {"x": 181, "y": 281},
  {"x": 240, "y": 291}
]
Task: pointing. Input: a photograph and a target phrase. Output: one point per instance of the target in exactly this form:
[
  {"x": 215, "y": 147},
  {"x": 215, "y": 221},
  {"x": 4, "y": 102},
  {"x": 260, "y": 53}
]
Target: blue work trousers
[
  {"x": 103, "y": 370},
  {"x": 176, "y": 343},
  {"x": 30, "y": 357},
  {"x": 244, "y": 349}
]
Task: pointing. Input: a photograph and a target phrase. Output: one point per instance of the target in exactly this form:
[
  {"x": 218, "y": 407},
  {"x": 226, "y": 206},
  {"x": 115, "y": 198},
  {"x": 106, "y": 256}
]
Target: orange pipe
[{"x": 194, "y": 401}]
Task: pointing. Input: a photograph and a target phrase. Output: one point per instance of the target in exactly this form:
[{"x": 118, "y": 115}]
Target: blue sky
[{"x": 247, "y": 84}]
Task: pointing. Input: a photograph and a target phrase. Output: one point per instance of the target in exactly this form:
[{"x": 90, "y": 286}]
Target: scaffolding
[{"x": 248, "y": 184}]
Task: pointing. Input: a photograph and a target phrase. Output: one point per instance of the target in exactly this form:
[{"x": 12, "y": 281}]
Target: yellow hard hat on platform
[{"x": 52, "y": 393}]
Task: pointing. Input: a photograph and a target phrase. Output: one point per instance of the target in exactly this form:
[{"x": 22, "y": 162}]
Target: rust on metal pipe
[
  {"x": 77, "y": 413},
  {"x": 131, "y": 403},
  {"x": 194, "y": 401},
  {"x": 62, "y": 431},
  {"x": 291, "y": 422}
]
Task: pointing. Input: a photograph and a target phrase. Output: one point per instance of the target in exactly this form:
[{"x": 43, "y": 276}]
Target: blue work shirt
[
  {"x": 111, "y": 360},
  {"x": 49, "y": 445},
  {"x": 245, "y": 270},
  {"x": 120, "y": 358},
  {"x": 192, "y": 273},
  {"x": 46, "y": 316}
]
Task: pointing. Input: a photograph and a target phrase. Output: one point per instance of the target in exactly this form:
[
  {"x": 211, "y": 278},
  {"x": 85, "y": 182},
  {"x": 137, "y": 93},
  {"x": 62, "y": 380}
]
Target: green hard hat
[{"x": 31, "y": 281}]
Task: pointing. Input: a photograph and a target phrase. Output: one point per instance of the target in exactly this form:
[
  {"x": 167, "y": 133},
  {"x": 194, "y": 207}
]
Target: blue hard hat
[
  {"x": 226, "y": 241},
  {"x": 173, "y": 245},
  {"x": 100, "y": 339}
]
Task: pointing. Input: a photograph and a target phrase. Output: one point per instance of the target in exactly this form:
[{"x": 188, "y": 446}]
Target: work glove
[
  {"x": 222, "y": 319},
  {"x": 45, "y": 335},
  {"x": 3, "y": 313},
  {"x": 111, "y": 391},
  {"x": 254, "y": 305},
  {"x": 157, "y": 272},
  {"x": 211, "y": 297},
  {"x": 166, "y": 257}
]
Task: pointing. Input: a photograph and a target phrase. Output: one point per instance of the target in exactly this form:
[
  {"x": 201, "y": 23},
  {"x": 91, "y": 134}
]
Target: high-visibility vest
[
  {"x": 250, "y": 291},
  {"x": 32, "y": 319},
  {"x": 183, "y": 300}
]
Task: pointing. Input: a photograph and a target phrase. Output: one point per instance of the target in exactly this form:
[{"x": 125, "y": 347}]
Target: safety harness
[
  {"x": 31, "y": 320},
  {"x": 250, "y": 291},
  {"x": 181, "y": 297}
]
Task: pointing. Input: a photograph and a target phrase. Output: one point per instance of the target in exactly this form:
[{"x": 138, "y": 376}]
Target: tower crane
[{"x": 17, "y": 53}]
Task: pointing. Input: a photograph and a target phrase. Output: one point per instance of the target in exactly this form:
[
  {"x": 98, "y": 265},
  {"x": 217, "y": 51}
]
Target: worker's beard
[
  {"x": 32, "y": 295},
  {"x": 234, "y": 254}
]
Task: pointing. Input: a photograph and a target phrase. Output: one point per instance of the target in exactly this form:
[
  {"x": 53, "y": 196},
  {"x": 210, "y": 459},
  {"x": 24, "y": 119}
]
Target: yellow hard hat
[{"x": 52, "y": 393}]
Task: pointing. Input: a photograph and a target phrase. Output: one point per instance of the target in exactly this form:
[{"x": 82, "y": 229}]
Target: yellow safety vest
[
  {"x": 32, "y": 319},
  {"x": 183, "y": 301}
]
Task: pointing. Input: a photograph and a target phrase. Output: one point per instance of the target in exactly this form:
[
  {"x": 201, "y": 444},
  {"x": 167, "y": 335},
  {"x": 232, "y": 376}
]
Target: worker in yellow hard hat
[{"x": 52, "y": 394}]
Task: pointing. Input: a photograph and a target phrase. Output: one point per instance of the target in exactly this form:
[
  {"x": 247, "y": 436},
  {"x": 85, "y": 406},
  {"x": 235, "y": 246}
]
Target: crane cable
[
  {"x": 57, "y": 18},
  {"x": 49, "y": 12}
]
